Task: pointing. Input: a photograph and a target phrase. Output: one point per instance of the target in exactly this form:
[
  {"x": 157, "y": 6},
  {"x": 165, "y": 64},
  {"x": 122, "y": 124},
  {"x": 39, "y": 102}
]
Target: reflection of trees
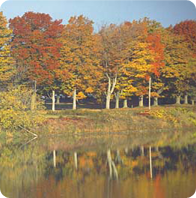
[
  {"x": 54, "y": 158},
  {"x": 112, "y": 167},
  {"x": 58, "y": 171},
  {"x": 20, "y": 168},
  {"x": 76, "y": 160}
]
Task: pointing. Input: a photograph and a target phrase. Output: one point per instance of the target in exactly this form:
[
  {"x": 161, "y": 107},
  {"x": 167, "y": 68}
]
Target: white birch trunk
[
  {"x": 125, "y": 104},
  {"x": 111, "y": 164},
  {"x": 156, "y": 99},
  {"x": 141, "y": 101},
  {"x": 110, "y": 90},
  {"x": 117, "y": 96},
  {"x": 76, "y": 160},
  {"x": 178, "y": 99},
  {"x": 108, "y": 97},
  {"x": 54, "y": 158},
  {"x": 150, "y": 158},
  {"x": 149, "y": 94},
  {"x": 53, "y": 100},
  {"x": 142, "y": 151},
  {"x": 58, "y": 100},
  {"x": 118, "y": 158},
  {"x": 74, "y": 99},
  {"x": 186, "y": 99}
]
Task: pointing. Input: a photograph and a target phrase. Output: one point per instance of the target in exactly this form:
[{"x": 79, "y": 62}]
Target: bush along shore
[
  {"x": 120, "y": 120},
  {"x": 17, "y": 118}
]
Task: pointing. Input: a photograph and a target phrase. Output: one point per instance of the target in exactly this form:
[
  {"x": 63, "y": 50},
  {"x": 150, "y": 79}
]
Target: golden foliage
[
  {"x": 15, "y": 110},
  {"x": 6, "y": 61}
]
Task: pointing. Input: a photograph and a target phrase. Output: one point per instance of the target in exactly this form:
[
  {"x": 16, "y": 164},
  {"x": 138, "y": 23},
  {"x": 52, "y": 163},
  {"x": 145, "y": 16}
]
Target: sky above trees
[{"x": 105, "y": 12}]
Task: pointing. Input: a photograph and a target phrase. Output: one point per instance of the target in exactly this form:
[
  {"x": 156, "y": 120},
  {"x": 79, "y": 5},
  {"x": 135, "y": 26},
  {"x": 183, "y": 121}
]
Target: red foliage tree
[
  {"x": 188, "y": 30},
  {"x": 158, "y": 50},
  {"x": 35, "y": 46}
]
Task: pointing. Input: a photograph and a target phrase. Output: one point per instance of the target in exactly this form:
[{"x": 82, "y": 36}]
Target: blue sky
[{"x": 101, "y": 12}]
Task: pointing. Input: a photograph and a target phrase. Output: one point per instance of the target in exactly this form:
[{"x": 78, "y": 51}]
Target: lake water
[{"x": 100, "y": 166}]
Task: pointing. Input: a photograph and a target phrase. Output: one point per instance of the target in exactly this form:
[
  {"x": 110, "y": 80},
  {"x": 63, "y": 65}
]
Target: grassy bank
[{"x": 120, "y": 120}]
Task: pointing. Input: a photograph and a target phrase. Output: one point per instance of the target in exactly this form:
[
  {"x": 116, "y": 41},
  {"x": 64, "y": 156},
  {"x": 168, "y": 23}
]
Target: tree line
[{"x": 116, "y": 62}]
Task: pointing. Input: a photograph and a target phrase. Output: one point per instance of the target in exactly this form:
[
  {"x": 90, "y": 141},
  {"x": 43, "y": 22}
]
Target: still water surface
[{"x": 112, "y": 166}]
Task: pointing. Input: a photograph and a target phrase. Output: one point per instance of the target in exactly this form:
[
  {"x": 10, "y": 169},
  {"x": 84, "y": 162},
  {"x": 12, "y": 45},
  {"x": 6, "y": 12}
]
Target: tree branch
[
  {"x": 28, "y": 131},
  {"x": 114, "y": 83}
]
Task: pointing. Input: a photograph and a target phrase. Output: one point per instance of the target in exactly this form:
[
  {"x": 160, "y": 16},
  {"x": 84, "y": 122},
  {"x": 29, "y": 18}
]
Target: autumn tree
[
  {"x": 79, "y": 60},
  {"x": 157, "y": 48},
  {"x": 176, "y": 70},
  {"x": 187, "y": 29},
  {"x": 15, "y": 113},
  {"x": 35, "y": 47},
  {"x": 126, "y": 85},
  {"x": 154, "y": 37},
  {"x": 6, "y": 61},
  {"x": 141, "y": 58},
  {"x": 113, "y": 54}
]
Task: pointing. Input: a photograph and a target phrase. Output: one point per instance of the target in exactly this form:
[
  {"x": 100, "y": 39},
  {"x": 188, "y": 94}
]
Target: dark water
[{"x": 160, "y": 166}]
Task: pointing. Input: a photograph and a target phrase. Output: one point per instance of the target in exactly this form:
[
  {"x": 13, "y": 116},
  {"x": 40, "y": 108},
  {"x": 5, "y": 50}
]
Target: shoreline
[{"x": 120, "y": 120}]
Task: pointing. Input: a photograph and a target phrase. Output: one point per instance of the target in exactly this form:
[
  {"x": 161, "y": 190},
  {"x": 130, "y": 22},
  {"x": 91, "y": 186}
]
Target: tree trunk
[
  {"x": 178, "y": 99},
  {"x": 33, "y": 101},
  {"x": 149, "y": 93},
  {"x": 125, "y": 104},
  {"x": 117, "y": 100},
  {"x": 150, "y": 156},
  {"x": 109, "y": 158},
  {"x": 126, "y": 150},
  {"x": 186, "y": 99},
  {"x": 74, "y": 99},
  {"x": 141, "y": 101},
  {"x": 54, "y": 158},
  {"x": 142, "y": 150},
  {"x": 110, "y": 90},
  {"x": 58, "y": 100},
  {"x": 112, "y": 167},
  {"x": 118, "y": 157},
  {"x": 76, "y": 160},
  {"x": 193, "y": 102},
  {"x": 53, "y": 100},
  {"x": 108, "y": 100},
  {"x": 156, "y": 99}
]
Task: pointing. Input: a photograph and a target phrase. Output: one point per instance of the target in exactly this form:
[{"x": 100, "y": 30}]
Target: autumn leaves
[{"x": 115, "y": 62}]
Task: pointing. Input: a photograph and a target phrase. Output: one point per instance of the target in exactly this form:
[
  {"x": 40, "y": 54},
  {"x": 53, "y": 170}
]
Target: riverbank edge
[{"x": 123, "y": 120}]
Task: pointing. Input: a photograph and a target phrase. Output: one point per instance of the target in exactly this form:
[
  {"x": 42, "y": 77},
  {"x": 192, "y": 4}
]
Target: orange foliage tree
[
  {"x": 188, "y": 30},
  {"x": 35, "y": 47}
]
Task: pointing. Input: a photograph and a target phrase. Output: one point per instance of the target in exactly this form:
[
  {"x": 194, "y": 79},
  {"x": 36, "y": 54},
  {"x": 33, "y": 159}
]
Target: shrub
[{"x": 15, "y": 110}]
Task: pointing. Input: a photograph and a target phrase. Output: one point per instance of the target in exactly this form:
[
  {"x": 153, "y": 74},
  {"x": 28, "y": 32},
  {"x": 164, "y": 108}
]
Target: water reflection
[{"x": 147, "y": 171}]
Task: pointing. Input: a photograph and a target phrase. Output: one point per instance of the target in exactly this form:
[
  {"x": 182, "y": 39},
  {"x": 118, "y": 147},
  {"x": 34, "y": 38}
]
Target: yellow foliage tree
[
  {"x": 78, "y": 71},
  {"x": 176, "y": 72},
  {"x": 6, "y": 61},
  {"x": 139, "y": 64},
  {"x": 15, "y": 113}
]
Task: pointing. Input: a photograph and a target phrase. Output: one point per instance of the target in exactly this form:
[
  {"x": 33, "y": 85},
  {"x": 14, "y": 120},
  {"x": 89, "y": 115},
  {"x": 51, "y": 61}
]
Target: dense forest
[{"x": 40, "y": 56}]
